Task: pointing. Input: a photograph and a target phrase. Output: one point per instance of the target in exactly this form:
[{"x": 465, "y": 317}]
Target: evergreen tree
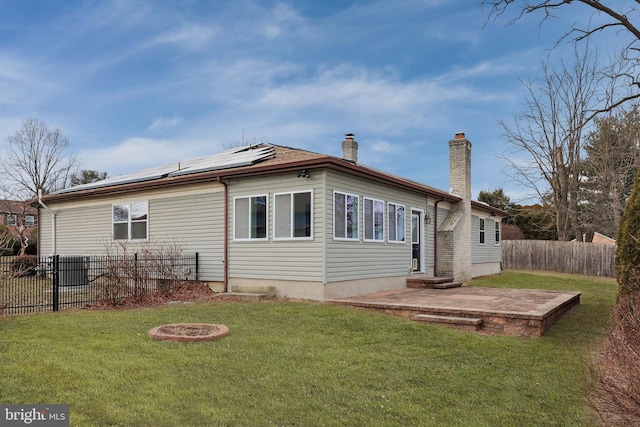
[{"x": 628, "y": 250}]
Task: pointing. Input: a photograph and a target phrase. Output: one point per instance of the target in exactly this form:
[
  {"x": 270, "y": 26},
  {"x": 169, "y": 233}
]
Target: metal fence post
[
  {"x": 56, "y": 282},
  {"x": 197, "y": 265}
]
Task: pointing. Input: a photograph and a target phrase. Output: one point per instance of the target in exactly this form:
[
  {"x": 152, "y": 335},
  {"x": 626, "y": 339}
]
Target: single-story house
[{"x": 311, "y": 225}]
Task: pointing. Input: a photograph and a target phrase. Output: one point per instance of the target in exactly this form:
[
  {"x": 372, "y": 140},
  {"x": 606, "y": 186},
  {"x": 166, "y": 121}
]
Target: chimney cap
[
  {"x": 349, "y": 135},
  {"x": 459, "y": 135}
]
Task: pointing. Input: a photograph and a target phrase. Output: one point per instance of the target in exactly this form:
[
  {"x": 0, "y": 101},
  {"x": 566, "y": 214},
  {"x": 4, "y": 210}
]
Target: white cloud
[
  {"x": 162, "y": 123},
  {"x": 188, "y": 36},
  {"x": 136, "y": 154},
  {"x": 282, "y": 20}
]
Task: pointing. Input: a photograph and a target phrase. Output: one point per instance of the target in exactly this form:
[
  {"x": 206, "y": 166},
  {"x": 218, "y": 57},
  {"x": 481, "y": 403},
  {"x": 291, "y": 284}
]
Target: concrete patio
[{"x": 498, "y": 311}]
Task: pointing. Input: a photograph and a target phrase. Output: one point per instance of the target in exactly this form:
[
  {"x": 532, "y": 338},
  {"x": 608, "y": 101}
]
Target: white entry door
[{"x": 416, "y": 241}]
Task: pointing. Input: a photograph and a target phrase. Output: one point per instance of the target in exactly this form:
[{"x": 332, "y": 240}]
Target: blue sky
[{"x": 135, "y": 84}]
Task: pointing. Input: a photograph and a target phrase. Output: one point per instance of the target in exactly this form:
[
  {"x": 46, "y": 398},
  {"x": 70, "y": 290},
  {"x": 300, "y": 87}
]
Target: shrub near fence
[
  {"x": 591, "y": 259},
  {"x": 30, "y": 284}
]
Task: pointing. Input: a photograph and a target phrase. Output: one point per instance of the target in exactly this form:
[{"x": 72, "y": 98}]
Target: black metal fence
[{"x": 31, "y": 284}]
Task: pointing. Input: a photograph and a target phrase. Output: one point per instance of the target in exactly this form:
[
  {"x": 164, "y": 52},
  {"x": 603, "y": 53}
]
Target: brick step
[
  {"x": 447, "y": 285},
  {"x": 426, "y": 282},
  {"x": 252, "y": 293},
  {"x": 469, "y": 323}
]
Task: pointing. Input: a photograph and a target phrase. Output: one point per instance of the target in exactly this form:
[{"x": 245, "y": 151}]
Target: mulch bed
[{"x": 184, "y": 293}]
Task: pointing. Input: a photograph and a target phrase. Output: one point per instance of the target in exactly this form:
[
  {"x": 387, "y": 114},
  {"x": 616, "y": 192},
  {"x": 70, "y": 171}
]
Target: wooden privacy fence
[{"x": 591, "y": 259}]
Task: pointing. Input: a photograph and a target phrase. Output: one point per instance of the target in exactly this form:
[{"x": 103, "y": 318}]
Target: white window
[
  {"x": 131, "y": 221},
  {"x": 345, "y": 216},
  {"x": 29, "y": 221},
  {"x": 373, "y": 220},
  {"x": 11, "y": 219},
  {"x": 293, "y": 215},
  {"x": 396, "y": 215},
  {"x": 250, "y": 218},
  {"x": 481, "y": 228},
  {"x": 497, "y": 230}
]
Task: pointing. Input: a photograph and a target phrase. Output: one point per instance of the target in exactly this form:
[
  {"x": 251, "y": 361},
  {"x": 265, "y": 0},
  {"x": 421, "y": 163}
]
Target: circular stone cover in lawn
[{"x": 189, "y": 332}]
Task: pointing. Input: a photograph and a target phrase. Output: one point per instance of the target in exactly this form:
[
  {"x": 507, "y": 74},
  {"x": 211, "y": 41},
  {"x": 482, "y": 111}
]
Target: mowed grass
[{"x": 306, "y": 364}]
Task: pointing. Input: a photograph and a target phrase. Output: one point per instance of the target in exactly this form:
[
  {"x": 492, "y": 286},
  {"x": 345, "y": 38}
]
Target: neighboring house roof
[
  {"x": 254, "y": 160},
  {"x": 599, "y": 238}
]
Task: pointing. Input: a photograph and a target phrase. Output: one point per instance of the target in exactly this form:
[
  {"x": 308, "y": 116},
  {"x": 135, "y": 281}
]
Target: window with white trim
[
  {"x": 481, "y": 236},
  {"x": 293, "y": 215},
  {"x": 131, "y": 221},
  {"x": 345, "y": 216},
  {"x": 497, "y": 232},
  {"x": 12, "y": 219},
  {"x": 29, "y": 221},
  {"x": 396, "y": 214},
  {"x": 250, "y": 218},
  {"x": 373, "y": 220}
]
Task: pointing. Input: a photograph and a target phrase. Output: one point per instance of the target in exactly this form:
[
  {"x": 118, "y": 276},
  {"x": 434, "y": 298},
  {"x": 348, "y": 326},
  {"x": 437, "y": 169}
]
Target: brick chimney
[
  {"x": 460, "y": 185},
  {"x": 350, "y": 148}
]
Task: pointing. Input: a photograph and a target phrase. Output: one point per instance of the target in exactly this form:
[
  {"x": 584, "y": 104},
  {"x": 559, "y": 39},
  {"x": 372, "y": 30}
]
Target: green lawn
[{"x": 306, "y": 364}]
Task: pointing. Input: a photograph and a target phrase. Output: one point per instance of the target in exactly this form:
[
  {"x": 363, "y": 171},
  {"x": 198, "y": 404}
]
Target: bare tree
[
  {"x": 613, "y": 158},
  {"x": 549, "y": 133},
  {"x": 36, "y": 158},
  {"x": 610, "y": 18}
]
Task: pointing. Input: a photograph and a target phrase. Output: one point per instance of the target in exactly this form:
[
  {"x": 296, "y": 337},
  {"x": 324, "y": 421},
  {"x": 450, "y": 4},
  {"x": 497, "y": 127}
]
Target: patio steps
[
  {"x": 465, "y": 323},
  {"x": 426, "y": 282},
  {"x": 252, "y": 293}
]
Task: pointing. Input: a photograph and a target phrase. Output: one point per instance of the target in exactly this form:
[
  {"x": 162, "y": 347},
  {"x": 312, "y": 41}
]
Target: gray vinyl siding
[
  {"x": 350, "y": 260},
  {"x": 80, "y": 230},
  {"x": 489, "y": 251},
  {"x": 196, "y": 223},
  {"x": 191, "y": 217},
  {"x": 270, "y": 259}
]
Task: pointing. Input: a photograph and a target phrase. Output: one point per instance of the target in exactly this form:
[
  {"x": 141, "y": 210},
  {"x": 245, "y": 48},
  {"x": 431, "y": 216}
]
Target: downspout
[
  {"x": 225, "y": 256},
  {"x": 435, "y": 237},
  {"x": 53, "y": 222}
]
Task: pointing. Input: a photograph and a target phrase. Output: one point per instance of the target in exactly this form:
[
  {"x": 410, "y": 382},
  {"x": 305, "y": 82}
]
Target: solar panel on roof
[{"x": 235, "y": 157}]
